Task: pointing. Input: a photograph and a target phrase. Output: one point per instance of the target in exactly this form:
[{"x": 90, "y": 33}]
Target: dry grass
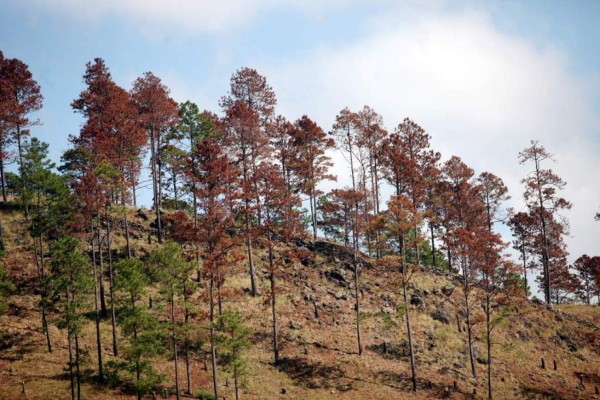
[{"x": 319, "y": 358}]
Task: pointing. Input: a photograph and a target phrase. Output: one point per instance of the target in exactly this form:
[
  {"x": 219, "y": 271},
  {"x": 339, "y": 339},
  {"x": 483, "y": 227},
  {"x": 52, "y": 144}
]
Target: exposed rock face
[
  {"x": 442, "y": 313},
  {"x": 295, "y": 326},
  {"x": 416, "y": 300},
  {"x": 338, "y": 276},
  {"x": 448, "y": 289}
]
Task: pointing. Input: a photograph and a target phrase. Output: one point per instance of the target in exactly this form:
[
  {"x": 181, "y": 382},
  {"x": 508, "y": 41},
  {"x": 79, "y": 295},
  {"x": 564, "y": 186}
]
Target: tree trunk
[
  {"x": 489, "y": 344},
  {"x": 313, "y": 212},
  {"x": 174, "y": 338},
  {"x": 413, "y": 368},
  {"x": 127, "y": 235},
  {"x": 43, "y": 295},
  {"x": 20, "y": 147},
  {"x": 111, "y": 289},
  {"x": 134, "y": 197},
  {"x": 251, "y": 261},
  {"x": 357, "y": 298},
  {"x": 432, "y": 246},
  {"x": 71, "y": 375},
  {"x": 469, "y": 330},
  {"x": 2, "y": 180},
  {"x": 525, "y": 269},
  {"x": 273, "y": 300},
  {"x": 97, "y": 312},
  {"x": 154, "y": 172},
  {"x": 235, "y": 383},
  {"x": 77, "y": 367},
  {"x": 198, "y": 269},
  {"x": 186, "y": 344},
  {"x": 103, "y": 308},
  {"x": 545, "y": 257},
  {"x": 212, "y": 337}
]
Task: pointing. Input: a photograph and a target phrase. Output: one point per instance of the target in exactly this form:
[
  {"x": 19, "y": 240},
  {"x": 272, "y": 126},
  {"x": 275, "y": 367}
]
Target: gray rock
[
  {"x": 442, "y": 313},
  {"x": 295, "y": 326},
  {"x": 417, "y": 301},
  {"x": 448, "y": 289},
  {"x": 341, "y": 296},
  {"x": 336, "y": 275}
]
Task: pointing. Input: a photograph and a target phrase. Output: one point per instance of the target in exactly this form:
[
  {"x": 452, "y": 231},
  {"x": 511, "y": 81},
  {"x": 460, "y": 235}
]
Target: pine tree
[
  {"x": 215, "y": 179},
  {"x": 522, "y": 225},
  {"x": 403, "y": 217},
  {"x": 19, "y": 95},
  {"x": 47, "y": 194},
  {"x": 71, "y": 284},
  {"x": 541, "y": 194},
  {"x": 172, "y": 271},
  {"x": 139, "y": 327},
  {"x": 232, "y": 339},
  {"x": 158, "y": 114},
  {"x": 310, "y": 162},
  {"x": 464, "y": 229},
  {"x": 281, "y": 225}
]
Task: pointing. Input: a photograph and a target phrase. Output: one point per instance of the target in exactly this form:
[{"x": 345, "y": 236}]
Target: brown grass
[{"x": 319, "y": 359}]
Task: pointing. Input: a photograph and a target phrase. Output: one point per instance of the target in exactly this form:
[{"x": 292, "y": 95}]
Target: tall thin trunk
[
  {"x": 432, "y": 245},
  {"x": 524, "y": 255},
  {"x": 411, "y": 352},
  {"x": 134, "y": 197},
  {"x": 43, "y": 295},
  {"x": 154, "y": 172},
  {"x": 469, "y": 328},
  {"x": 128, "y": 246},
  {"x": 111, "y": 289},
  {"x": 248, "y": 228},
  {"x": 20, "y": 148},
  {"x": 2, "y": 179},
  {"x": 197, "y": 255},
  {"x": 251, "y": 264},
  {"x": 545, "y": 257},
  {"x": 489, "y": 344},
  {"x": 194, "y": 198},
  {"x": 174, "y": 338},
  {"x": 71, "y": 374},
  {"x": 235, "y": 383},
  {"x": 175, "y": 193},
  {"x": 159, "y": 162},
  {"x": 187, "y": 348},
  {"x": 97, "y": 312},
  {"x": 313, "y": 212},
  {"x": 212, "y": 337},
  {"x": 103, "y": 308},
  {"x": 273, "y": 294},
  {"x": 219, "y": 298},
  {"x": 78, "y": 374},
  {"x": 357, "y": 304}
]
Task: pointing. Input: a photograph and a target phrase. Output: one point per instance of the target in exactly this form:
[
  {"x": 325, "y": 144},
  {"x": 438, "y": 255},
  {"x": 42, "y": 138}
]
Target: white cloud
[{"x": 481, "y": 94}]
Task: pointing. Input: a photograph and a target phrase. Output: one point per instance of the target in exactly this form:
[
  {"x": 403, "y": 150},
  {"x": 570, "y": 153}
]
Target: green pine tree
[
  {"x": 232, "y": 339},
  {"x": 71, "y": 284},
  {"x": 170, "y": 268},
  {"x": 140, "y": 328}
]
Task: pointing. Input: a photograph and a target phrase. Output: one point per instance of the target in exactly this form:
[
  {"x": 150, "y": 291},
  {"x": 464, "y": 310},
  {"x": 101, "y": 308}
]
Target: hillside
[{"x": 317, "y": 330}]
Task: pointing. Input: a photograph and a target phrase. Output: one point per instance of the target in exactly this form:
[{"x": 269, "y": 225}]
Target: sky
[{"x": 482, "y": 78}]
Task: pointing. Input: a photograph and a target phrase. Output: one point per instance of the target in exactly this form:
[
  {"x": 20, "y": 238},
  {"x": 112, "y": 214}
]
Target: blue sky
[{"x": 483, "y": 78}]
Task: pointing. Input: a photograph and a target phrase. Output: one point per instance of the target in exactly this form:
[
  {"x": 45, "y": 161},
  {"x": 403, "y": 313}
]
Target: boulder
[
  {"x": 337, "y": 275},
  {"x": 448, "y": 289},
  {"x": 415, "y": 300},
  {"x": 443, "y": 313},
  {"x": 295, "y": 326}
]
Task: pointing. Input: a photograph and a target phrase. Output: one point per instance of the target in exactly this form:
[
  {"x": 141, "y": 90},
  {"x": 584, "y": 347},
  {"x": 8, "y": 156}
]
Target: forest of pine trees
[{"x": 226, "y": 183}]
